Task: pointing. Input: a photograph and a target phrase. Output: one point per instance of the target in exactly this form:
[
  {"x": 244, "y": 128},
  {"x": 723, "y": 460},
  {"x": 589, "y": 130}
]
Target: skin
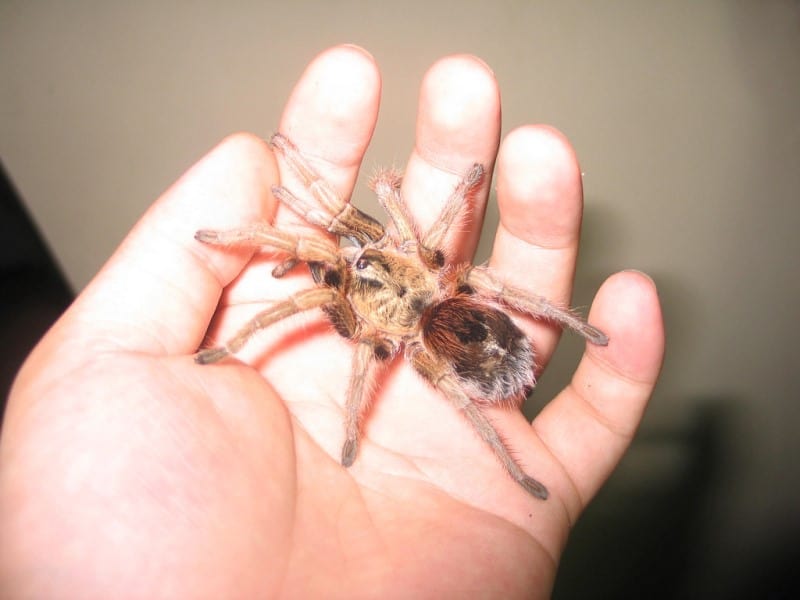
[{"x": 127, "y": 470}]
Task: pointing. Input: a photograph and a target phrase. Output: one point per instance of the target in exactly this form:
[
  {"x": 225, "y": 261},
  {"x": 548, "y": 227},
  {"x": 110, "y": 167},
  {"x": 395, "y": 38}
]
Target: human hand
[{"x": 128, "y": 470}]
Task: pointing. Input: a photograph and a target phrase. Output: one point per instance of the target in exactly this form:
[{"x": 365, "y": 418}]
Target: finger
[
  {"x": 330, "y": 116},
  {"x": 458, "y": 124},
  {"x": 159, "y": 290},
  {"x": 589, "y": 425},
  {"x": 540, "y": 196}
]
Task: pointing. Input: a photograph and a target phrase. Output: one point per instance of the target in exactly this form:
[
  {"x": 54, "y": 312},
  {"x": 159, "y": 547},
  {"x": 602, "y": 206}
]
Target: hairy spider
[{"x": 392, "y": 291}]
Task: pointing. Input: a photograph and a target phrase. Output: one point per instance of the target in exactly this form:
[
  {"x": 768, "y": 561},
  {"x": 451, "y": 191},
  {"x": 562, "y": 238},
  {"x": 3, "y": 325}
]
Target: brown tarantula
[{"x": 392, "y": 291}]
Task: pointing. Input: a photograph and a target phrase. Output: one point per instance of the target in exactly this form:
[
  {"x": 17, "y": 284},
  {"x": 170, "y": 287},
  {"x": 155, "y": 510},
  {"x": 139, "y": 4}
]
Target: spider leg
[
  {"x": 490, "y": 287},
  {"x": 299, "y": 302},
  {"x": 453, "y": 208},
  {"x": 442, "y": 378},
  {"x": 261, "y": 234},
  {"x": 357, "y": 400},
  {"x": 332, "y": 213},
  {"x": 386, "y": 185}
]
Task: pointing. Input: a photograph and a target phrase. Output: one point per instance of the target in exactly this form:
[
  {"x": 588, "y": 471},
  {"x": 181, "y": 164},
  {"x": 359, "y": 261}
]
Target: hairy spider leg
[
  {"x": 299, "y": 302},
  {"x": 438, "y": 374},
  {"x": 432, "y": 243},
  {"x": 261, "y": 234},
  {"x": 492, "y": 288},
  {"x": 357, "y": 399},
  {"x": 454, "y": 208},
  {"x": 386, "y": 185},
  {"x": 333, "y": 213},
  {"x": 321, "y": 251}
]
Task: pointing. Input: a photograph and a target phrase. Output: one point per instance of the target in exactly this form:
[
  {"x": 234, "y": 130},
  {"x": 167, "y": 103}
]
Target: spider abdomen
[{"x": 489, "y": 354}]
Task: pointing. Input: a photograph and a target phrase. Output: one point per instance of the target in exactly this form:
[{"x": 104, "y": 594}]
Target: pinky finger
[{"x": 590, "y": 424}]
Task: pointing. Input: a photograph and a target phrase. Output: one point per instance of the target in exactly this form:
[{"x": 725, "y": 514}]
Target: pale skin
[{"x": 127, "y": 470}]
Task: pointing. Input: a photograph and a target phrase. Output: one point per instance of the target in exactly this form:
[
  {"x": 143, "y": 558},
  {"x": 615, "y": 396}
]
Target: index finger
[{"x": 330, "y": 116}]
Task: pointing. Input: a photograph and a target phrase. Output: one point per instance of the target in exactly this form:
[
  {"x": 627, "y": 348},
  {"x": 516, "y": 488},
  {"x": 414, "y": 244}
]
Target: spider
[{"x": 392, "y": 291}]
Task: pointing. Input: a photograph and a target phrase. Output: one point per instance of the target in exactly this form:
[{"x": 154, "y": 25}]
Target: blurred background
[{"x": 686, "y": 119}]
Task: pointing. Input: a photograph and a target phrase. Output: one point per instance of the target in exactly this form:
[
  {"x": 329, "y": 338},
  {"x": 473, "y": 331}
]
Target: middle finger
[{"x": 458, "y": 124}]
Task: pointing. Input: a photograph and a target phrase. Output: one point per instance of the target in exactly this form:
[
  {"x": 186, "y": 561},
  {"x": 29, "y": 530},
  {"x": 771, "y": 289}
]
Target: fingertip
[
  {"x": 356, "y": 48},
  {"x": 459, "y": 113},
  {"x": 334, "y": 105},
  {"x": 628, "y": 310},
  {"x": 349, "y": 72},
  {"x": 539, "y": 187}
]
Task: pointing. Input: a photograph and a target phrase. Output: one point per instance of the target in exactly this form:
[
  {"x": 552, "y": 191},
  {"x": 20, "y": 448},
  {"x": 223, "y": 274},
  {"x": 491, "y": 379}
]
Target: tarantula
[{"x": 393, "y": 291}]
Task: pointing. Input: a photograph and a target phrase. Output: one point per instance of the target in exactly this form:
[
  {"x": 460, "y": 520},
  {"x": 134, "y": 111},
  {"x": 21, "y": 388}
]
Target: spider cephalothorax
[{"x": 392, "y": 291}]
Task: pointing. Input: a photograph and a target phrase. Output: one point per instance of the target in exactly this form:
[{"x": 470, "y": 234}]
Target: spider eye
[{"x": 361, "y": 263}]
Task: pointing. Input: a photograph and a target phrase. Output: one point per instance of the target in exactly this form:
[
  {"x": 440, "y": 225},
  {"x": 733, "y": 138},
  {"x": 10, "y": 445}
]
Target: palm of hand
[{"x": 423, "y": 480}]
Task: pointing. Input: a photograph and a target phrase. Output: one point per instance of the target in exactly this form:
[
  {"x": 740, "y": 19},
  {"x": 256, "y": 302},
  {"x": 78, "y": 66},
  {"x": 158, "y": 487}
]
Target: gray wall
[{"x": 686, "y": 118}]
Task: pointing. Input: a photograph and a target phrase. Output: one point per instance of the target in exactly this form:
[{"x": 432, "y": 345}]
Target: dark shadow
[
  {"x": 646, "y": 533},
  {"x": 635, "y": 539},
  {"x": 34, "y": 293}
]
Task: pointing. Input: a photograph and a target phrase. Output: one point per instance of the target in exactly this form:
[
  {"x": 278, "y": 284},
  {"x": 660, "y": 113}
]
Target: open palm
[{"x": 128, "y": 470}]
